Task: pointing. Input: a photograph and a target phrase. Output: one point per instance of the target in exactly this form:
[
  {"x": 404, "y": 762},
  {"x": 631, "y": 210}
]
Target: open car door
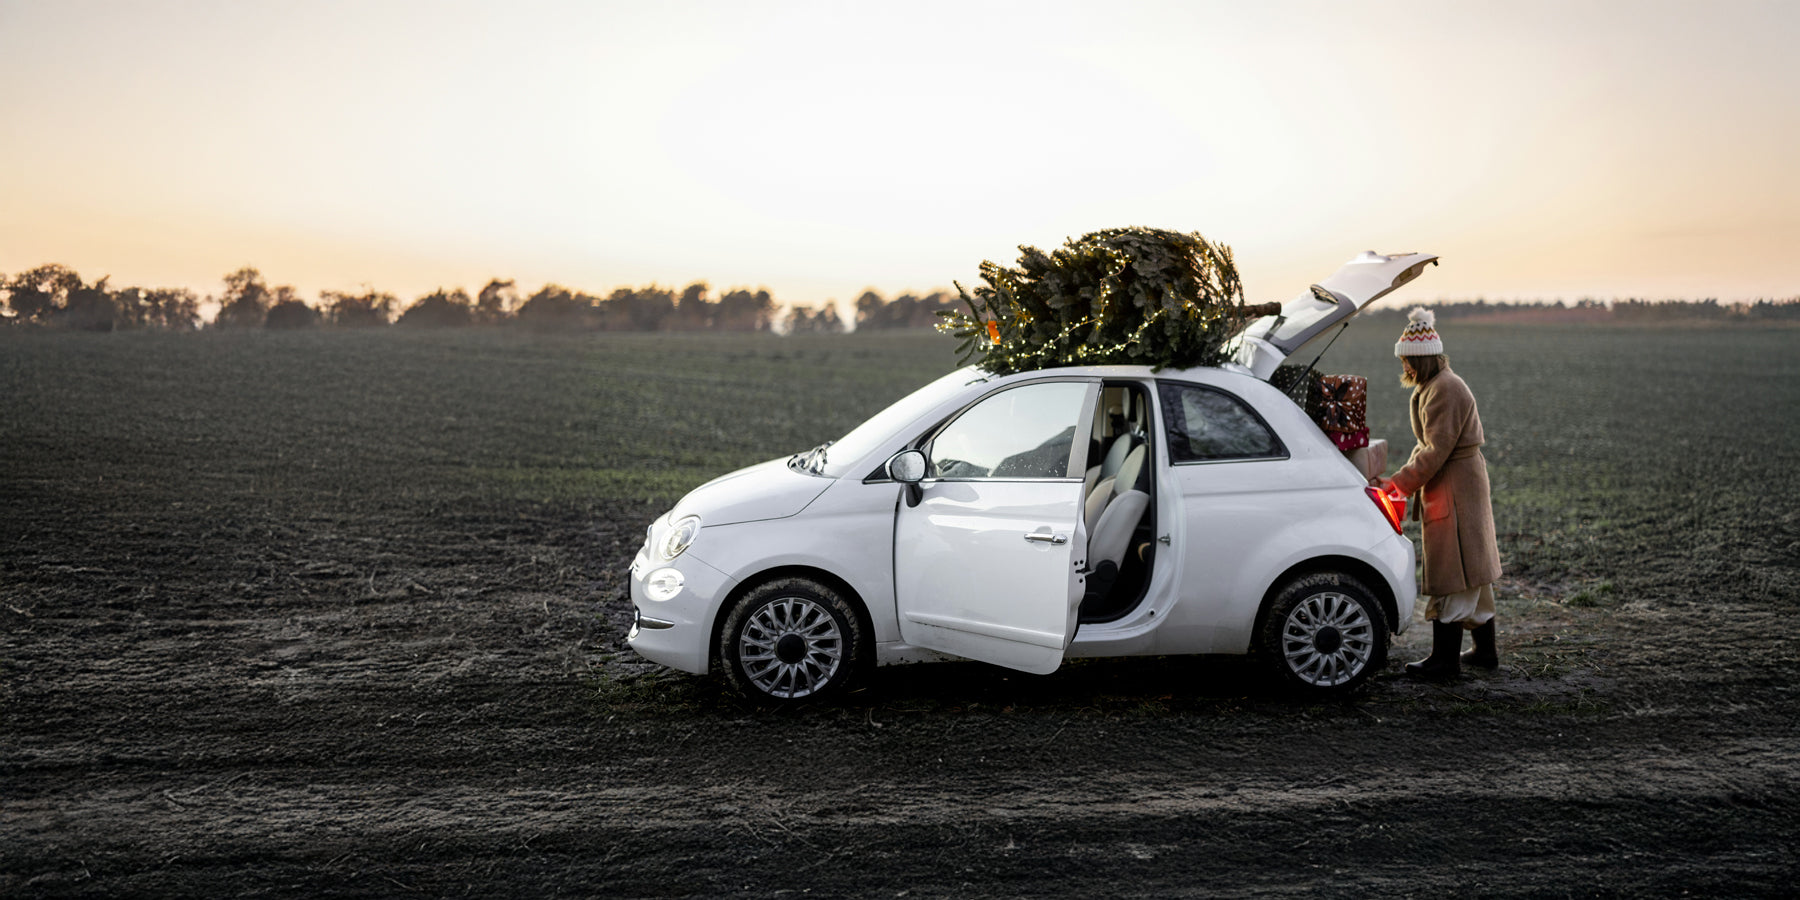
[
  {"x": 989, "y": 562},
  {"x": 1266, "y": 342}
]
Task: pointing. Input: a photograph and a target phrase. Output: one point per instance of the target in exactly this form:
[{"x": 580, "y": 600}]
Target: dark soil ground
[{"x": 275, "y": 620}]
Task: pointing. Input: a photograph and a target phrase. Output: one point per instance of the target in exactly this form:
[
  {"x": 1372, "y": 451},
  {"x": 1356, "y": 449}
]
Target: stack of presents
[{"x": 1340, "y": 404}]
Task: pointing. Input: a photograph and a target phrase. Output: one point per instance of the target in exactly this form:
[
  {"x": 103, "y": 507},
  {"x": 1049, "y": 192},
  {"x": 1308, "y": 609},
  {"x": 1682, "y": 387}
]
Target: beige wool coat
[{"x": 1447, "y": 469}]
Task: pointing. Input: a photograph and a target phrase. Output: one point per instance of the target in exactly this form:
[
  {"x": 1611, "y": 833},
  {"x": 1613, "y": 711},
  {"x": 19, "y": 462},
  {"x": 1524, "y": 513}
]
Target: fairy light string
[{"x": 1124, "y": 295}]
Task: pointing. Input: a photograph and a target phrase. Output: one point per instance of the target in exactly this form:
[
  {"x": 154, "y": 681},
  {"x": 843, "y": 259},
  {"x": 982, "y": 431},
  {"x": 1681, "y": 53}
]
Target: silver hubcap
[
  {"x": 790, "y": 648},
  {"x": 1327, "y": 640}
]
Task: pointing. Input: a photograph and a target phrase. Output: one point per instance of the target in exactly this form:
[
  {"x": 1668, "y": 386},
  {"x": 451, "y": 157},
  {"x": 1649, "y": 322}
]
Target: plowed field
[{"x": 342, "y": 614}]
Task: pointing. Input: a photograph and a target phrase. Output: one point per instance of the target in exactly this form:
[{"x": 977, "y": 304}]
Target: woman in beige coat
[{"x": 1462, "y": 559}]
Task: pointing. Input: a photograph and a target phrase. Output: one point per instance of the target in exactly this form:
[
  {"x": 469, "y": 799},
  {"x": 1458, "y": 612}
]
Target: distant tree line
[
  {"x": 57, "y": 297},
  {"x": 904, "y": 311},
  {"x": 54, "y": 296},
  {"x": 1630, "y": 311},
  {"x": 1672, "y": 310}
]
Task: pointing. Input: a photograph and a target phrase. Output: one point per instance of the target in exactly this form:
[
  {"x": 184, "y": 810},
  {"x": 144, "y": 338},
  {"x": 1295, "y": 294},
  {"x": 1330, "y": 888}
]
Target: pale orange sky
[{"x": 1543, "y": 150}]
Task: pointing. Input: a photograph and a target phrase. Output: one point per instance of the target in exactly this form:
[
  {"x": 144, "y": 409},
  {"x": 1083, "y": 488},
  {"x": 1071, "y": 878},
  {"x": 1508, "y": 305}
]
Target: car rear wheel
[
  {"x": 1324, "y": 634},
  {"x": 792, "y": 640}
]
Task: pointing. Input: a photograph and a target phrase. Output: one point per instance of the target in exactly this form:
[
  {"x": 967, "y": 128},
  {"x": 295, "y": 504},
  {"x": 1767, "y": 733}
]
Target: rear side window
[{"x": 1207, "y": 424}]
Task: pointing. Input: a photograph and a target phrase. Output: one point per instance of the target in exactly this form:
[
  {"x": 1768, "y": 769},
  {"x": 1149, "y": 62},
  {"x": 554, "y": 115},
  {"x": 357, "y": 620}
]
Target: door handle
[{"x": 1047, "y": 538}]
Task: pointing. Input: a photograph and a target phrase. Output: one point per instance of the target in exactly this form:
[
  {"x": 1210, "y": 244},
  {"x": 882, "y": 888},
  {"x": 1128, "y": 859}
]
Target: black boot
[
  {"x": 1443, "y": 663},
  {"x": 1485, "y": 654}
]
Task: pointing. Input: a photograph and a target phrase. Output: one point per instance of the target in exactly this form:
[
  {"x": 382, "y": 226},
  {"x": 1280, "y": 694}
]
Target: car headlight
[
  {"x": 663, "y": 584},
  {"x": 680, "y": 536}
]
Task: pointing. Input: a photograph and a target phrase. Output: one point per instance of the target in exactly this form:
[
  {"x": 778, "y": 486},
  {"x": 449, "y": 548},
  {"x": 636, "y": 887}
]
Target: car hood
[
  {"x": 768, "y": 490},
  {"x": 1266, "y": 342}
]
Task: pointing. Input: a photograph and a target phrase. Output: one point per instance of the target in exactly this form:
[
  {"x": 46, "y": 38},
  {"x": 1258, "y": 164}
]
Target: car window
[
  {"x": 1209, "y": 424},
  {"x": 1023, "y": 432}
]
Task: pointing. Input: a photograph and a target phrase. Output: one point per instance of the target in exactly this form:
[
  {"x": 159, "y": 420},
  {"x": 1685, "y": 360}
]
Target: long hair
[{"x": 1416, "y": 370}]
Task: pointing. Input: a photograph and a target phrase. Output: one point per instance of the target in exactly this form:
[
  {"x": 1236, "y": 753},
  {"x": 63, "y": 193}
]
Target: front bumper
[{"x": 676, "y": 632}]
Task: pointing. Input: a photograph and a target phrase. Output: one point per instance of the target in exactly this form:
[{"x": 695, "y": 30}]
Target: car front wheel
[
  {"x": 1324, "y": 634},
  {"x": 791, "y": 640}
]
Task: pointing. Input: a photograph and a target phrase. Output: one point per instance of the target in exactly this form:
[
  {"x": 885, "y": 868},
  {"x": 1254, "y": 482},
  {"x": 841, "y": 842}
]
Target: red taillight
[{"x": 1394, "y": 509}]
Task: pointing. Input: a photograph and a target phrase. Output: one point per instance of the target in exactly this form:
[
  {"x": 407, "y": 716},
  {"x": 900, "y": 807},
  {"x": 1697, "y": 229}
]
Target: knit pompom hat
[{"x": 1420, "y": 337}]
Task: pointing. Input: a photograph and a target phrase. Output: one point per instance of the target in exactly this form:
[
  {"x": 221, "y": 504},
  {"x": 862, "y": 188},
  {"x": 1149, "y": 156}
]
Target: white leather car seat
[
  {"x": 1115, "y": 454},
  {"x": 1109, "y": 536},
  {"x": 1097, "y": 498},
  {"x": 1102, "y": 480}
]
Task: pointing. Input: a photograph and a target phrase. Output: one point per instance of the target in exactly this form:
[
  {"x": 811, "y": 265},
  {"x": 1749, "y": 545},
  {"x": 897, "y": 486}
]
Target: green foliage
[
  {"x": 246, "y": 300},
  {"x": 1602, "y": 594},
  {"x": 37, "y": 295},
  {"x": 637, "y": 309},
  {"x": 824, "y": 320},
  {"x": 290, "y": 313},
  {"x": 439, "y": 309},
  {"x": 557, "y": 307},
  {"x": 90, "y": 308},
  {"x": 367, "y": 309},
  {"x": 905, "y": 311},
  {"x": 173, "y": 309},
  {"x": 1590, "y": 311},
  {"x": 495, "y": 303},
  {"x": 1143, "y": 296},
  {"x": 58, "y": 297}
]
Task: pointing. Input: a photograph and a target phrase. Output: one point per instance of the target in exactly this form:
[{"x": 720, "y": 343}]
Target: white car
[{"x": 1200, "y": 511}]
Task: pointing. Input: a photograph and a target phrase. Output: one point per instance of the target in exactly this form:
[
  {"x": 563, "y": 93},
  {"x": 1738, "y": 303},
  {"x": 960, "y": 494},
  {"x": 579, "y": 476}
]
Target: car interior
[{"x": 1120, "y": 509}]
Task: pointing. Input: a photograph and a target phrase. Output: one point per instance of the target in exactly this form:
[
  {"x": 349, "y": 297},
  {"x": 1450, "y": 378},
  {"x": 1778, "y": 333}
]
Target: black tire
[
  {"x": 791, "y": 641},
  {"x": 1324, "y": 634}
]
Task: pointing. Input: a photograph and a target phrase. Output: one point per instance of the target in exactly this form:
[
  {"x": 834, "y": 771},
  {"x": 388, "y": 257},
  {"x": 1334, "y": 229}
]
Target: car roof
[{"x": 1201, "y": 373}]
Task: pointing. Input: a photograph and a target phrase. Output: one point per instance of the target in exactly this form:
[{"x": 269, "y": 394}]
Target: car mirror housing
[{"x": 907, "y": 467}]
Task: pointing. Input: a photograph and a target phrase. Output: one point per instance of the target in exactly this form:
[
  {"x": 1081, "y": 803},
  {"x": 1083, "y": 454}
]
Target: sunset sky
[{"x": 1543, "y": 150}]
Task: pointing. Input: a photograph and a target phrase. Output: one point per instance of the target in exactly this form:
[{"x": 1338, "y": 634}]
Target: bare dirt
[{"x": 217, "y": 688}]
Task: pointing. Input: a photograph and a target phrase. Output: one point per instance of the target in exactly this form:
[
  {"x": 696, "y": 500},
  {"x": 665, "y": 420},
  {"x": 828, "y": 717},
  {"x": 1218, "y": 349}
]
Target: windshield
[{"x": 864, "y": 438}]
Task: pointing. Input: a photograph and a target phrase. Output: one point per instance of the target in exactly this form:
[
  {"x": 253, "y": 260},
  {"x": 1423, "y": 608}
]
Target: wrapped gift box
[
  {"x": 1370, "y": 460},
  {"x": 1340, "y": 405}
]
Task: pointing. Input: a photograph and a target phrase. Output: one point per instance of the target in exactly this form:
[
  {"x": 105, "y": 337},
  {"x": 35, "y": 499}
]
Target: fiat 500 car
[{"x": 1027, "y": 519}]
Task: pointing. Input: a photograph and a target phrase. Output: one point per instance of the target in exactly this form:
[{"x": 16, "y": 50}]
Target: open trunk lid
[{"x": 1266, "y": 343}]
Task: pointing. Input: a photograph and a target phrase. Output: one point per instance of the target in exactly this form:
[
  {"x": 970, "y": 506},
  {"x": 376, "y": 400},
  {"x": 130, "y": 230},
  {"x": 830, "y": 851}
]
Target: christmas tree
[{"x": 1137, "y": 296}]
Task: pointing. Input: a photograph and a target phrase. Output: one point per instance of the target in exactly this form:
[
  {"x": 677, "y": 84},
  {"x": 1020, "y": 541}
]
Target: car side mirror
[{"x": 908, "y": 468}]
